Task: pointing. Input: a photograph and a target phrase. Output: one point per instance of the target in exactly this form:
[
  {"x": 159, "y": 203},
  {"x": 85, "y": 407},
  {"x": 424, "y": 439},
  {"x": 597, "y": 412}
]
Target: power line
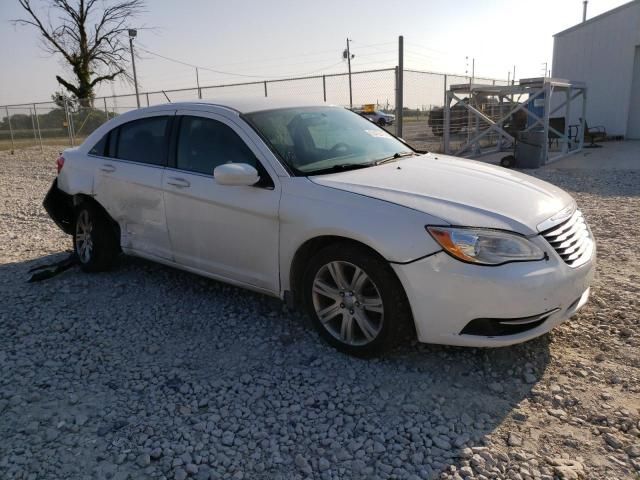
[
  {"x": 373, "y": 46},
  {"x": 263, "y": 67},
  {"x": 192, "y": 65},
  {"x": 273, "y": 59},
  {"x": 220, "y": 72},
  {"x": 417, "y": 45}
]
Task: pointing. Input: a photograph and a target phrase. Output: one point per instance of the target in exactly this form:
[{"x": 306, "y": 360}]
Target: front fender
[{"x": 308, "y": 211}]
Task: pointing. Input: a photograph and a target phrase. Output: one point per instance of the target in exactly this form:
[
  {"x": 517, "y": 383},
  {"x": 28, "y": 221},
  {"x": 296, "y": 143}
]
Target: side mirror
[{"x": 238, "y": 174}]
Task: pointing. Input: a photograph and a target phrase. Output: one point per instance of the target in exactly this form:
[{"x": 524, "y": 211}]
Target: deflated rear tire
[
  {"x": 95, "y": 241},
  {"x": 355, "y": 300}
]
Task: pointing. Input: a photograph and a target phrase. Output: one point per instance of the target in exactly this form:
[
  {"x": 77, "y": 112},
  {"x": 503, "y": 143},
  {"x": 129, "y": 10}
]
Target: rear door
[
  {"x": 128, "y": 183},
  {"x": 230, "y": 232}
]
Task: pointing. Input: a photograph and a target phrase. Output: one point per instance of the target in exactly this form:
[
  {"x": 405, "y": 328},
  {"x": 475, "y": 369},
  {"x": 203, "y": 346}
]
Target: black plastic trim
[
  {"x": 59, "y": 206},
  {"x": 493, "y": 327}
]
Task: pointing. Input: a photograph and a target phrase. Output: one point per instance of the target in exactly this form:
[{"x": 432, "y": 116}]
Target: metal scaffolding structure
[{"x": 498, "y": 115}]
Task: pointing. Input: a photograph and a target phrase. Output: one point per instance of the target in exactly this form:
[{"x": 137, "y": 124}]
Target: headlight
[{"x": 485, "y": 247}]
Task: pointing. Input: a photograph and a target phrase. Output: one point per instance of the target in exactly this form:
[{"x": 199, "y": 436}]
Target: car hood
[{"x": 458, "y": 191}]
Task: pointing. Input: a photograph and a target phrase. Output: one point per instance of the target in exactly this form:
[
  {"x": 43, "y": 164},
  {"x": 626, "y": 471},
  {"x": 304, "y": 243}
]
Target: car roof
[{"x": 245, "y": 104}]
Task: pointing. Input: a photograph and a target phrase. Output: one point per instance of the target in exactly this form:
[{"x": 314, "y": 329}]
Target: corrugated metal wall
[{"x": 601, "y": 53}]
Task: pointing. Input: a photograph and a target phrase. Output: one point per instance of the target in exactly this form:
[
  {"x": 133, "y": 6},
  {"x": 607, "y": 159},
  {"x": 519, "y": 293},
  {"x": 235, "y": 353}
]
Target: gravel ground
[{"x": 149, "y": 372}]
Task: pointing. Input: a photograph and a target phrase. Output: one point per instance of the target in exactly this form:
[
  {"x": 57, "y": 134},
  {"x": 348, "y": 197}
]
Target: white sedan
[{"x": 318, "y": 206}]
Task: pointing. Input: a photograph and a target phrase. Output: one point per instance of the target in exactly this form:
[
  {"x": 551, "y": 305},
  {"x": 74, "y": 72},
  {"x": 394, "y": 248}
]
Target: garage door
[{"x": 633, "y": 125}]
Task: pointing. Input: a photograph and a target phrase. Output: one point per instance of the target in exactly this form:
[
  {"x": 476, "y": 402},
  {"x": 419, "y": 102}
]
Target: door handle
[
  {"x": 108, "y": 168},
  {"x": 178, "y": 182}
]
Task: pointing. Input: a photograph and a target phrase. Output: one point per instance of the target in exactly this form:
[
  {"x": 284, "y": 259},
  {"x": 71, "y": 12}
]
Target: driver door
[{"x": 228, "y": 232}]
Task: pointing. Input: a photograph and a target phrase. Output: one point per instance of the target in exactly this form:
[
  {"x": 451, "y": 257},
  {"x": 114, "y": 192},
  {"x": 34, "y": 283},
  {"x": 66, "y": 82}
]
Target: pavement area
[
  {"x": 619, "y": 155},
  {"x": 623, "y": 155}
]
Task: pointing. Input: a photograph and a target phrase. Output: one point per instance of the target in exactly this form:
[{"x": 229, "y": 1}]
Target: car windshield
[{"x": 317, "y": 140}]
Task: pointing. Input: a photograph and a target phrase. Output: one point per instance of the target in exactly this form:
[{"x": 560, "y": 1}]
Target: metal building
[{"x": 604, "y": 52}]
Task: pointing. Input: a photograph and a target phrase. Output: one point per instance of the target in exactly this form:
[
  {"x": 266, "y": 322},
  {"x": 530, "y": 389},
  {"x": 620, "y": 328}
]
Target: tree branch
[
  {"x": 103, "y": 78},
  {"x": 88, "y": 34},
  {"x": 67, "y": 85},
  {"x": 38, "y": 24}
]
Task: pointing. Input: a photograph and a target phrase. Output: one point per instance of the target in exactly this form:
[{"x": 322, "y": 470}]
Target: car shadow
[{"x": 159, "y": 348}]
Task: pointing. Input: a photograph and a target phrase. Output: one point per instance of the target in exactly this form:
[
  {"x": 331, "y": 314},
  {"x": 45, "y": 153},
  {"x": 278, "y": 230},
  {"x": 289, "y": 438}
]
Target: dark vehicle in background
[
  {"x": 458, "y": 121},
  {"x": 460, "y": 116}
]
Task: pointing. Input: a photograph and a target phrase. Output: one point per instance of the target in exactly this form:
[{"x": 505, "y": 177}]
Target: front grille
[{"x": 571, "y": 239}]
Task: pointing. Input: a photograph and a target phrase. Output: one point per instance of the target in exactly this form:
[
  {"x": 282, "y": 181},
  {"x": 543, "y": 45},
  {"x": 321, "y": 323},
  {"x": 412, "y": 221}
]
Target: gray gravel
[{"x": 149, "y": 372}]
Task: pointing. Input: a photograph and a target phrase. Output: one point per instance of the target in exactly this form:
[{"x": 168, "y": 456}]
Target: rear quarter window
[{"x": 99, "y": 148}]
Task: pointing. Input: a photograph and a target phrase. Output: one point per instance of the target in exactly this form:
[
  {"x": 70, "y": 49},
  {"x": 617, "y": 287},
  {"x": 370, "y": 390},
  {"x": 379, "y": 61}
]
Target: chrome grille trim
[{"x": 571, "y": 240}]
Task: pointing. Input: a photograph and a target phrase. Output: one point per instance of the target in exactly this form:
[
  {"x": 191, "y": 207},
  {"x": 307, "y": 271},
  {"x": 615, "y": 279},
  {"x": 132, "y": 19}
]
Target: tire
[
  {"x": 95, "y": 241},
  {"x": 381, "y": 122},
  {"x": 508, "y": 161},
  {"x": 338, "y": 308}
]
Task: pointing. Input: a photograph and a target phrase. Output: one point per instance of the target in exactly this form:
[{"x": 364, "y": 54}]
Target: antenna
[{"x": 584, "y": 11}]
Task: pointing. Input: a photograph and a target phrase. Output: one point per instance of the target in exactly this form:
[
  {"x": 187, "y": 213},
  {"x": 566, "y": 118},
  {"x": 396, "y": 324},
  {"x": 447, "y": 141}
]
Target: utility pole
[
  {"x": 473, "y": 69},
  {"x": 132, "y": 34},
  {"x": 513, "y": 78},
  {"x": 347, "y": 54},
  {"x": 546, "y": 64},
  {"x": 198, "y": 84},
  {"x": 399, "y": 87}
]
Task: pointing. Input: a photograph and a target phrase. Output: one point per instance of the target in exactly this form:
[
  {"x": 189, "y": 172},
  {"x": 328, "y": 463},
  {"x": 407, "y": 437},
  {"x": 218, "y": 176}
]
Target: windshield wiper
[
  {"x": 393, "y": 157},
  {"x": 343, "y": 167}
]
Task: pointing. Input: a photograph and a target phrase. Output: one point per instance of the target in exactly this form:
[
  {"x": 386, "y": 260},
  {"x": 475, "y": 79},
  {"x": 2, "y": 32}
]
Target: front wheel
[
  {"x": 382, "y": 122},
  {"x": 355, "y": 300},
  {"x": 95, "y": 241}
]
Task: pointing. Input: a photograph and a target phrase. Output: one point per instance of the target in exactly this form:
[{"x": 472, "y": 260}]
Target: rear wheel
[
  {"x": 355, "y": 300},
  {"x": 95, "y": 241}
]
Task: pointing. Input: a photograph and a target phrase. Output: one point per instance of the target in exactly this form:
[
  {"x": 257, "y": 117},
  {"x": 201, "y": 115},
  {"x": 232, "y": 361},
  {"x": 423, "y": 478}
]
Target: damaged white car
[{"x": 316, "y": 205}]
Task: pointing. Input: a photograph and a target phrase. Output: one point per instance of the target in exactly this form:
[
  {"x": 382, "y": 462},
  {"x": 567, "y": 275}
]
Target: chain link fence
[{"x": 67, "y": 124}]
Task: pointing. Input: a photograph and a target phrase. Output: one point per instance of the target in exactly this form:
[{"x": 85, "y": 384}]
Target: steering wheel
[{"x": 340, "y": 147}]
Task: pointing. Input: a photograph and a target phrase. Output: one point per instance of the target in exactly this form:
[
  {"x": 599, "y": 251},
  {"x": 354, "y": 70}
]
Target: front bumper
[{"x": 446, "y": 295}]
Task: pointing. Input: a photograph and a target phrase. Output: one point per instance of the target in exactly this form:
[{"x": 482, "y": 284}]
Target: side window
[
  {"x": 143, "y": 140},
  {"x": 113, "y": 143},
  {"x": 203, "y": 144},
  {"x": 99, "y": 148}
]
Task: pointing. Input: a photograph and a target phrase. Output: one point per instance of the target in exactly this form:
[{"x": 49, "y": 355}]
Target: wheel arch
[
  {"x": 80, "y": 199},
  {"x": 306, "y": 251}
]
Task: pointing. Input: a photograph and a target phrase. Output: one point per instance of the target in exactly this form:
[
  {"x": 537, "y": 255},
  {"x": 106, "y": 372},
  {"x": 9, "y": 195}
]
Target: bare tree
[{"x": 89, "y": 35}]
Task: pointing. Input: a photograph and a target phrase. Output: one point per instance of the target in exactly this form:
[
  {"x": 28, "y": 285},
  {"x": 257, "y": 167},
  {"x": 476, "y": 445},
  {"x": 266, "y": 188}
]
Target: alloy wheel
[
  {"x": 348, "y": 303},
  {"x": 84, "y": 242}
]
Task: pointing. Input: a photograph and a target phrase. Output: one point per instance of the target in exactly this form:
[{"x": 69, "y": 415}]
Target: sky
[{"x": 260, "y": 40}]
